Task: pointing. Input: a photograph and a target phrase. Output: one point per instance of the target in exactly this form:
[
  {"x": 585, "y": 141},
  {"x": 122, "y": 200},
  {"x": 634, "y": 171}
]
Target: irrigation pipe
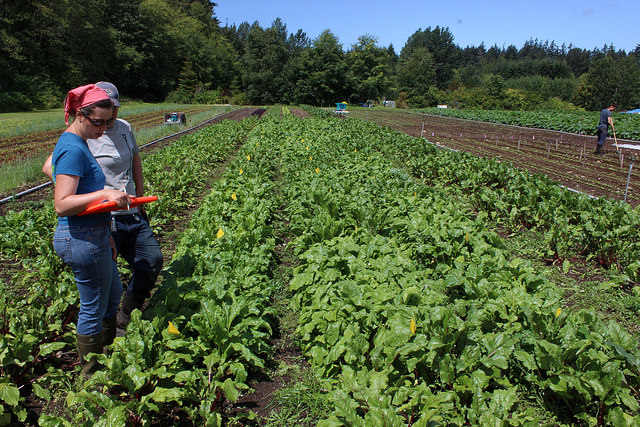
[
  {"x": 25, "y": 192},
  {"x": 46, "y": 184}
]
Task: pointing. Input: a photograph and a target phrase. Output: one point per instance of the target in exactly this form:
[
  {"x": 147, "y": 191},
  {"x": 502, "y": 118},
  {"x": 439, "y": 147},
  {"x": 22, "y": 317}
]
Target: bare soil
[
  {"x": 299, "y": 113},
  {"x": 17, "y": 147}
]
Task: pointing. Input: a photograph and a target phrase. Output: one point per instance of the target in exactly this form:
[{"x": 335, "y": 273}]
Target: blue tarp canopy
[{"x": 636, "y": 111}]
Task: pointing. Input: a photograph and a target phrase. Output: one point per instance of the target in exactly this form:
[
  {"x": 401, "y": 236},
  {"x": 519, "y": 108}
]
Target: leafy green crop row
[
  {"x": 181, "y": 170},
  {"x": 601, "y": 229},
  {"x": 627, "y": 125},
  {"x": 215, "y": 293},
  {"x": 409, "y": 306},
  {"x": 34, "y": 322},
  {"x": 39, "y": 306},
  {"x": 416, "y": 310}
]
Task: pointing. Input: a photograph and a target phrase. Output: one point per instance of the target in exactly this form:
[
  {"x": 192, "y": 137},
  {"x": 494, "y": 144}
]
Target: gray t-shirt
[{"x": 114, "y": 152}]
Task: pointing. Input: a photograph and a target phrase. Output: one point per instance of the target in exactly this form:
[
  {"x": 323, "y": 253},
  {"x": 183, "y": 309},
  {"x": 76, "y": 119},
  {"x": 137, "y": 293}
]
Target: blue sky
[{"x": 587, "y": 24}]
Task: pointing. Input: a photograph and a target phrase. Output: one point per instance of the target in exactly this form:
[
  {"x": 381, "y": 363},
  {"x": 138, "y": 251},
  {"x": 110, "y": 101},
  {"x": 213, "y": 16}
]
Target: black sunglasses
[{"x": 98, "y": 122}]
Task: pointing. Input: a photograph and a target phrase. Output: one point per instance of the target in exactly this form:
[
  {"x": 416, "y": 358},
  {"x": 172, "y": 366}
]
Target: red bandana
[{"x": 81, "y": 97}]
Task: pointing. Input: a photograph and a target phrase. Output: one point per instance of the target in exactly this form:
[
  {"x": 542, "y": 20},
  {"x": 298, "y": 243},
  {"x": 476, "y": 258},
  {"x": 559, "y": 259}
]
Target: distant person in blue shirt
[
  {"x": 603, "y": 127},
  {"x": 84, "y": 242}
]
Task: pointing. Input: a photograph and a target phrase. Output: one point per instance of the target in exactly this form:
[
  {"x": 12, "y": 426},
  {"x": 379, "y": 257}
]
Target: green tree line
[
  {"x": 144, "y": 46},
  {"x": 177, "y": 51}
]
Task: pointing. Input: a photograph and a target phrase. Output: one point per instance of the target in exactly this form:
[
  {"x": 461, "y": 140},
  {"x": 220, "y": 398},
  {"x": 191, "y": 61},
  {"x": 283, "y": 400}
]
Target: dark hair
[
  {"x": 613, "y": 104},
  {"x": 104, "y": 103}
]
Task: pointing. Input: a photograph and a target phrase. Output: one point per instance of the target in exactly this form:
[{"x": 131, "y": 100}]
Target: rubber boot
[
  {"x": 128, "y": 304},
  {"x": 89, "y": 344},
  {"x": 108, "y": 332}
]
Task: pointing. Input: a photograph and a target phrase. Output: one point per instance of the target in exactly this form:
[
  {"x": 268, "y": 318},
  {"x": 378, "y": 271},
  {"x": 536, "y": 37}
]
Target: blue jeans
[
  {"x": 87, "y": 251},
  {"x": 137, "y": 245}
]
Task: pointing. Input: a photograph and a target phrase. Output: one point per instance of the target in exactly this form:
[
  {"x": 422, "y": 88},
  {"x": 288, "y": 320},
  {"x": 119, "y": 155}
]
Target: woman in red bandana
[{"x": 83, "y": 242}]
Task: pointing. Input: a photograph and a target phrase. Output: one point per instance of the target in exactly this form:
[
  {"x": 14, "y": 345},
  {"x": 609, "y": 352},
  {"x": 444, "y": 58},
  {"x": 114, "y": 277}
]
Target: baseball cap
[{"x": 112, "y": 91}]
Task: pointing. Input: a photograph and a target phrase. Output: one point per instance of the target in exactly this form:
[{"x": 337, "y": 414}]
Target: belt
[
  {"x": 134, "y": 216},
  {"x": 128, "y": 218}
]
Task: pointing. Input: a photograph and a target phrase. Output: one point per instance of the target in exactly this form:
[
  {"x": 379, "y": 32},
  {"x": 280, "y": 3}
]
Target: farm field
[
  {"x": 564, "y": 157},
  {"x": 395, "y": 260},
  {"x": 24, "y": 152},
  {"x": 28, "y": 144},
  {"x": 576, "y": 122}
]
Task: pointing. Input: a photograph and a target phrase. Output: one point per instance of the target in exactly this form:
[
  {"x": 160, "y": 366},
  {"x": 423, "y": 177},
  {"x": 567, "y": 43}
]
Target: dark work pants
[
  {"x": 137, "y": 245},
  {"x": 602, "y": 135}
]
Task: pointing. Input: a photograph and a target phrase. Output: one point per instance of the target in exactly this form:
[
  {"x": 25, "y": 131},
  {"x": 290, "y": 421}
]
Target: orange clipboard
[{"x": 108, "y": 206}]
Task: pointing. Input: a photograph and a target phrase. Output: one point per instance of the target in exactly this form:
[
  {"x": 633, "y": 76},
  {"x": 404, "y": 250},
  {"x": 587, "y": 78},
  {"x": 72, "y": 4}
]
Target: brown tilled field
[
  {"x": 16, "y": 147},
  {"x": 566, "y": 158}
]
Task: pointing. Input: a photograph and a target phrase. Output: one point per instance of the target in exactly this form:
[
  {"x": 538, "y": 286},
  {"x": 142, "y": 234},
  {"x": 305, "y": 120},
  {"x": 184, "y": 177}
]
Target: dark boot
[
  {"x": 108, "y": 331},
  {"x": 599, "y": 150},
  {"x": 89, "y": 344},
  {"x": 129, "y": 303}
]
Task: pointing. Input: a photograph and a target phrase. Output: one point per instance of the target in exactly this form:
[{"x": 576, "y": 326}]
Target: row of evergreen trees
[{"x": 177, "y": 50}]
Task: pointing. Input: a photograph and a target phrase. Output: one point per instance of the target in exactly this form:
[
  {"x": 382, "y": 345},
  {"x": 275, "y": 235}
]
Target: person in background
[
  {"x": 603, "y": 127},
  {"x": 84, "y": 242},
  {"x": 117, "y": 153}
]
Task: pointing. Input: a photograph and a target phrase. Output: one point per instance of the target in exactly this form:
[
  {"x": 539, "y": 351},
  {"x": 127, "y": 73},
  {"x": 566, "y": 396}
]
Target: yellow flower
[
  {"x": 412, "y": 326},
  {"x": 248, "y": 157},
  {"x": 466, "y": 237},
  {"x": 240, "y": 171},
  {"x": 317, "y": 170},
  {"x": 234, "y": 197},
  {"x": 307, "y": 147},
  {"x": 173, "y": 330},
  {"x": 558, "y": 311},
  {"x": 220, "y": 233},
  {"x": 310, "y": 158}
]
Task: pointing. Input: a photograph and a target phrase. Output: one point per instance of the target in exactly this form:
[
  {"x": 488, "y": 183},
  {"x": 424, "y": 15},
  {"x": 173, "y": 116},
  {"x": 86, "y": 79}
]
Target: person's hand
[{"x": 121, "y": 198}]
